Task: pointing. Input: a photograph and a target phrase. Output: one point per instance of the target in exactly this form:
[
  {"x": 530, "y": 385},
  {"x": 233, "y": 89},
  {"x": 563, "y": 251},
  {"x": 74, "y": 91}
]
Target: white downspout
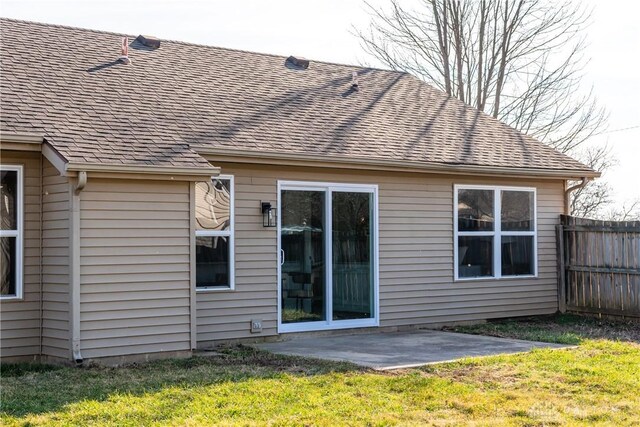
[
  {"x": 74, "y": 253},
  {"x": 82, "y": 181},
  {"x": 567, "y": 194}
]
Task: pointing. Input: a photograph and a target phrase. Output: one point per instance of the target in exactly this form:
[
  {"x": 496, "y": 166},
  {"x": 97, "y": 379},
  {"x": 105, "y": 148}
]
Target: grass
[
  {"x": 564, "y": 329},
  {"x": 595, "y": 383}
]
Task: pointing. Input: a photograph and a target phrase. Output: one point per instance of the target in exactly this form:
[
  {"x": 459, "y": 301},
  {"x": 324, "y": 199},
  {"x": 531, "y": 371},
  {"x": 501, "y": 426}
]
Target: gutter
[
  {"x": 74, "y": 261},
  {"x": 288, "y": 158},
  {"x": 21, "y": 141},
  {"x": 22, "y": 138},
  {"x": 296, "y": 159},
  {"x": 144, "y": 169},
  {"x": 568, "y": 191}
]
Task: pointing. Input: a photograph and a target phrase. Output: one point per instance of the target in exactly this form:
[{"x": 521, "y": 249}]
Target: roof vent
[
  {"x": 297, "y": 62},
  {"x": 149, "y": 41},
  {"x": 124, "y": 56},
  {"x": 354, "y": 81}
]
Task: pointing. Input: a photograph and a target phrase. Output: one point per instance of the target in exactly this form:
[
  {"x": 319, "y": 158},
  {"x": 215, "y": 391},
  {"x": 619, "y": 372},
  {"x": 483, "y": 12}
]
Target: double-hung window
[
  {"x": 494, "y": 232},
  {"x": 214, "y": 234},
  {"x": 11, "y": 202}
]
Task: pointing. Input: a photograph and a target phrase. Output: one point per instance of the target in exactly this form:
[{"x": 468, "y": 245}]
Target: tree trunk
[{"x": 442, "y": 42}]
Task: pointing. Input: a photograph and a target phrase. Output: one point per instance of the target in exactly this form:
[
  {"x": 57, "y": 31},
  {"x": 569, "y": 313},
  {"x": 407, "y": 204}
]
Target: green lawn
[{"x": 596, "y": 383}]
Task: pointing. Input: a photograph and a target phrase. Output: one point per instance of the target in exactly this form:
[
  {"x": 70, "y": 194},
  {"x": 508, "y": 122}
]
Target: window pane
[
  {"x": 517, "y": 211},
  {"x": 302, "y": 237},
  {"x": 7, "y": 266},
  {"x": 213, "y": 205},
  {"x": 352, "y": 249},
  {"x": 212, "y": 261},
  {"x": 517, "y": 255},
  {"x": 475, "y": 256},
  {"x": 8, "y": 200},
  {"x": 475, "y": 210}
]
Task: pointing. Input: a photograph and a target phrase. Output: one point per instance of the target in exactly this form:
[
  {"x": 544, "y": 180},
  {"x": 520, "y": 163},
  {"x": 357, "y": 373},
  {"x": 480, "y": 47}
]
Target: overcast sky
[{"x": 322, "y": 30}]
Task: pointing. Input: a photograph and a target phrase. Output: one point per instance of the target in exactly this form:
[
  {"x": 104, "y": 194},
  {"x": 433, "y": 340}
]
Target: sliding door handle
[{"x": 281, "y": 256}]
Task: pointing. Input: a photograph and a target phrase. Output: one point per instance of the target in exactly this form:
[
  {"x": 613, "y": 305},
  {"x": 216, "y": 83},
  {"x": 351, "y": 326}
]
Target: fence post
[{"x": 562, "y": 288}]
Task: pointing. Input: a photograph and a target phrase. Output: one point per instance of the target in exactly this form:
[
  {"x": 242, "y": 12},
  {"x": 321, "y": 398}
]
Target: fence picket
[{"x": 599, "y": 264}]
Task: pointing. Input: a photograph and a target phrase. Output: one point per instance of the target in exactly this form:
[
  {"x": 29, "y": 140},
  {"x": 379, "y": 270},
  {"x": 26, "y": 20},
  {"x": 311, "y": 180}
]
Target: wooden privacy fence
[{"x": 599, "y": 266}]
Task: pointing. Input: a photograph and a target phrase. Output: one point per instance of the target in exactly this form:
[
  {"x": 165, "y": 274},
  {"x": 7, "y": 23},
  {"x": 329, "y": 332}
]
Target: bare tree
[
  {"x": 591, "y": 201},
  {"x": 519, "y": 61},
  {"x": 629, "y": 211}
]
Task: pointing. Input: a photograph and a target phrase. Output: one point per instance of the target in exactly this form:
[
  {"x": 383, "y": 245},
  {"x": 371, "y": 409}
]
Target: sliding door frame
[{"x": 329, "y": 323}]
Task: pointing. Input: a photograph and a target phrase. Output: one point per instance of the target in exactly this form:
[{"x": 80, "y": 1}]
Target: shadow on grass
[
  {"x": 563, "y": 329},
  {"x": 31, "y": 389},
  {"x": 20, "y": 369}
]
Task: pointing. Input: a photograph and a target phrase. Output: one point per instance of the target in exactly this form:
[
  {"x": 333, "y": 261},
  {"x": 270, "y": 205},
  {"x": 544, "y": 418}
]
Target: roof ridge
[{"x": 272, "y": 55}]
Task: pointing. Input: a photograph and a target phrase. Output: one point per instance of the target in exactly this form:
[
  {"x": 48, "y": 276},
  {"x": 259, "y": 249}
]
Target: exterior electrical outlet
[{"x": 256, "y": 326}]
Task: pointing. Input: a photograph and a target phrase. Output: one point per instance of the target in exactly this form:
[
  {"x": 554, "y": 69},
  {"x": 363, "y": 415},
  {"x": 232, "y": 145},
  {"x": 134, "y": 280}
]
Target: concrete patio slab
[{"x": 395, "y": 350}]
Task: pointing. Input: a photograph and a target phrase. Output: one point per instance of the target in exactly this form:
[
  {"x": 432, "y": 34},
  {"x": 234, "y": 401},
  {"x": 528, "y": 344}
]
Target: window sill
[
  {"x": 207, "y": 290},
  {"x": 11, "y": 298},
  {"x": 501, "y": 278}
]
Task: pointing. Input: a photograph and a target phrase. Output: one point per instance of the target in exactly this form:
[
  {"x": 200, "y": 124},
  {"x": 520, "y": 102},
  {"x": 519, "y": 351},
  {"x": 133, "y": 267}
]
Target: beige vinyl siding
[
  {"x": 227, "y": 314},
  {"x": 415, "y": 250},
  {"x": 135, "y": 280},
  {"x": 55, "y": 263},
  {"x": 20, "y": 319},
  {"x": 416, "y": 256}
]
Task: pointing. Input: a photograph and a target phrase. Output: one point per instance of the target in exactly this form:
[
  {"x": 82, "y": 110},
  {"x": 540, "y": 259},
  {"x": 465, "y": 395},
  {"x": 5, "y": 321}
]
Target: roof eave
[
  {"x": 104, "y": 170},
  {"x": 21, "y": 141},
  {"x": 22, "y": 138},
  {"x": 295, "y": 159}
]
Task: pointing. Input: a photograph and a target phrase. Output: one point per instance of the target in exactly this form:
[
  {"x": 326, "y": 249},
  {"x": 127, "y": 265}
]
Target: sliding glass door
[{"x": 328, "y": 256}]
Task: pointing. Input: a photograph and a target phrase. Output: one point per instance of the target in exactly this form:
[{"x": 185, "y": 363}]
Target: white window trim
[
  {"x": 497, "y": 232},
  {"x": 230, "y": 233},
  {"x": 18, "y": 233},
  {"x": 330, "y": 324}
]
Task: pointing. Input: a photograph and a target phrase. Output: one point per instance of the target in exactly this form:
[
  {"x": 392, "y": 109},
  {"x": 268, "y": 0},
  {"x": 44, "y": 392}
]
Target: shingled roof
[{"x": 182, "y": 99}]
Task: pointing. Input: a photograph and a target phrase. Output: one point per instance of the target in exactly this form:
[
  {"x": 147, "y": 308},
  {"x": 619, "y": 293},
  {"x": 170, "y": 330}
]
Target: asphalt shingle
[{"x": 67, "y": 84}]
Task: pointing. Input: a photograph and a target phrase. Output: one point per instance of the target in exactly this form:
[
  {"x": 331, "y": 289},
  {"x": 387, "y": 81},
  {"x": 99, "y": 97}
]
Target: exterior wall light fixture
[{"x": 268, "y": 214}]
